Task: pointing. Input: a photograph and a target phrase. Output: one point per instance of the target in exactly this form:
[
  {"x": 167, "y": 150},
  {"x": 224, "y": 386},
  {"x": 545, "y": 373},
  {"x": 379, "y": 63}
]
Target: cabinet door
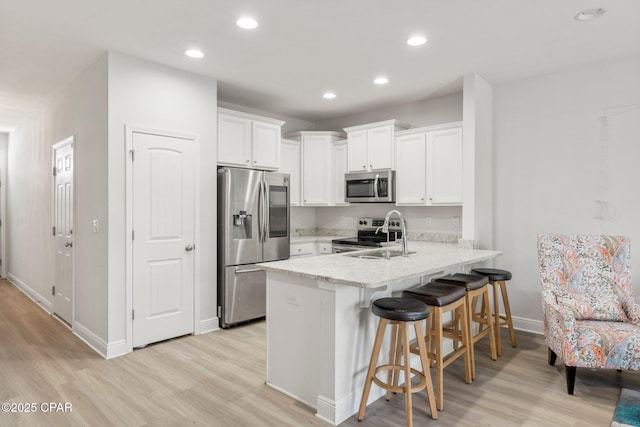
[
  {"x": 380, "y": 147},
  {"x": 316, "y": 167},
  {"x": 234, "y": 141},
  {"x": 290, "y": 163},
  {"x": 444, "y": 159},
  {"x": 357, "y": 159},
  {"x": 266, "y": 145},
  {"x": 411, "y": 178},
  {"x": 339, "y": 165}
]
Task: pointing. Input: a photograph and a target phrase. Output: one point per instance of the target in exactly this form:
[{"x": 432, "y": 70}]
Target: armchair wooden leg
[
  {"x": 571, "y": 378},
  {"x": 552, "y": 357}
]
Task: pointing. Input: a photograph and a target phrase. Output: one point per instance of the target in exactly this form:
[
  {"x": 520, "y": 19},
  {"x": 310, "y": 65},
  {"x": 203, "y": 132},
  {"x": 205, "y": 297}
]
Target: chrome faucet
[{"x": 385, "y": 229}]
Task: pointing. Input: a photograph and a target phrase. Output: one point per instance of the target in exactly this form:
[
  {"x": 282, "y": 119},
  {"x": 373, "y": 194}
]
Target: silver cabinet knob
[
  {"x": 189, "y": 248},
  {"x": 68, "y": 245}
]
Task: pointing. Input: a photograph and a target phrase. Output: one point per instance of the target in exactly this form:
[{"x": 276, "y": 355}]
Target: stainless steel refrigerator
[{"x": 253, "y": 227}]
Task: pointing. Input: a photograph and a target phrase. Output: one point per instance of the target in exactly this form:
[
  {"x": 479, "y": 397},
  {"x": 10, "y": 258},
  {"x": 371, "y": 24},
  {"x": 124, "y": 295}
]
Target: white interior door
[
  {"x": 63, "y": 230},
  {"x": 163, "y": 173}
]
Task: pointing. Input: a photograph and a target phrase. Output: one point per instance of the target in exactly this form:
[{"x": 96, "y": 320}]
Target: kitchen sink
[{"x": 377, "y": 255}]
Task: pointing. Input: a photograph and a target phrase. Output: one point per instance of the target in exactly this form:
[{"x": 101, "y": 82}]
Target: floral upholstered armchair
[{"x": 591, "y": 319}]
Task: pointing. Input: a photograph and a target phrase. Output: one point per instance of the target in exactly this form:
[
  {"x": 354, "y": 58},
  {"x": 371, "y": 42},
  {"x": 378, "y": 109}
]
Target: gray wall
[{"x": 548, "y": 160}]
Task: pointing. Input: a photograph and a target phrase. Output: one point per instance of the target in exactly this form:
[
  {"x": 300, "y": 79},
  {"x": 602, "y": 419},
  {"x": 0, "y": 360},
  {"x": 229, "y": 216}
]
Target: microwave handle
[{"x": 375, "y": 187}]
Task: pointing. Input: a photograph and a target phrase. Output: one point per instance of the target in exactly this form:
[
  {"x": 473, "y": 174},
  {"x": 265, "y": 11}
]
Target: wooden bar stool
[
  {"x": 399, "y": 313},
  {"x": 443, "y": 298},
  {"x": 476, "y": 287},
  {"x": 497, "y": 278}
]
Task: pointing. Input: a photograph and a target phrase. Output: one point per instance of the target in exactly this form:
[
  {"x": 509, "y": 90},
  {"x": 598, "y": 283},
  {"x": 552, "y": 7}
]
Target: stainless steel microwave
[{"x": 370, "y": 187}]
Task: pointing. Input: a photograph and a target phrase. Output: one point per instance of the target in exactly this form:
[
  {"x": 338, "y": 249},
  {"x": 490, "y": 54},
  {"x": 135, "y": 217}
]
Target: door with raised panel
[
  {"x": 266, "y": 146},
  {"x": 357, "y": 157},
  {"x": 411, "y": 178},
  {"x": 63, "y": 230},
  {"x": 339, "y": 168},
  {"x": 163, "y": 174},
  {"x": 316, "y": 182},
  {"x": 290, "y": 163},
  {"x": 380, "y": 147},
  {"x": 444, "y": 160},
  {"x": 234, "y": 141}
]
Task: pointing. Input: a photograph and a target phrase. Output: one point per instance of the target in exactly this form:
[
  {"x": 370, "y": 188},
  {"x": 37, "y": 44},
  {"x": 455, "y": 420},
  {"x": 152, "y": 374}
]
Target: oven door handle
[{"x": 375, "y": 187}]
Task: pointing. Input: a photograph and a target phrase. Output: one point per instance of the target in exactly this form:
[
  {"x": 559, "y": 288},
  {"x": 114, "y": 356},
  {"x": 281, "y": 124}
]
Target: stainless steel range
[{"x": 367, "y": 237}]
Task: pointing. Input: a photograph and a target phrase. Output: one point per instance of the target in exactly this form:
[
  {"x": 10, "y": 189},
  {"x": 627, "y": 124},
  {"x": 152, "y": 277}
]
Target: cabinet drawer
[
  {"x": 324, "y": 248},
  {"x": 302, "y": 249}
]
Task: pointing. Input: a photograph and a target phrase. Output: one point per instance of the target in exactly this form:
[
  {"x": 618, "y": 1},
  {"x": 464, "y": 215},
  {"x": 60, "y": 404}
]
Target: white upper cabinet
[
  {"x": 247, "y": 140},
  {"x": 339, "y": 168},
  {"x": 411, "y": 174},
  {"x": 290, "y": 163},
  {"x": 371, "y": 146},
  {"x": 429, "y": 165},
  {"x": 323, "y": 159},
  {"x": 444, "y": 166}
]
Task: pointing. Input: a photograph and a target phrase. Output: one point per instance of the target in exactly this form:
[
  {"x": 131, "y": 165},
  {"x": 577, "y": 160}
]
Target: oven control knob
[
  {"x": 360, "y": 222},
  {"x": 365, "y": 222}
]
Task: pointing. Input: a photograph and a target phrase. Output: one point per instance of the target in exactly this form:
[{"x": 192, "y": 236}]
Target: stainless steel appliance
[
  {"x": 370, "y": 187},
  {"x": 253, "y": 227},
  {"x": 367, "y": 237}
]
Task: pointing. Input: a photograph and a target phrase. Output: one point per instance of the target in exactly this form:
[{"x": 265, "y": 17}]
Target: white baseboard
[
  {"x": 31, "y": 293},
  {"x": 209, "y": 325},
  {"x": 528, "y": 325},
  {"x": 91, "y": 339}
]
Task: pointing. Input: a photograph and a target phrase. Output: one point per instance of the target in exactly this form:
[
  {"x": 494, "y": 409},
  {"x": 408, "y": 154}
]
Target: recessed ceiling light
[
  {"x": 416, "y": 41},
  {"x": 381, "y": 80},
  {"x": 589, "y": 14},
  {"x": 247, "y": 23},
  {"x": 194, "y": 53},
  {"x": 328, "y": 95}
]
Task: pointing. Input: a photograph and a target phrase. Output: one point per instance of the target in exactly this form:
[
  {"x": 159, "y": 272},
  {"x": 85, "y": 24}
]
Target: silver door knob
[
  {"x": 68, "y": 244},
  {"x": 189, "y": 248}
]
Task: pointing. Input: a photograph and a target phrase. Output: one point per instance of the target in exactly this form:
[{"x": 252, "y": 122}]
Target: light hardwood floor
[{"x": 217, "y": 379}]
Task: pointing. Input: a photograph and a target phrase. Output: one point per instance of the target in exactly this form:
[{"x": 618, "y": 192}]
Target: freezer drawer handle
[{"x": 252, "y": 270}]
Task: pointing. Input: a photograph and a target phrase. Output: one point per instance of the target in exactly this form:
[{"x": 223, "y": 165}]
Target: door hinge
[
  {"x": 54, "y": 230},
  {"x": 54, "y": 171},
  {"x": 133, "y": 315},
  {"x": 219, "y": 311},
  {"x": 133, "y": 234},
  {"x": 133, "y": 154},
  {"x": 53, "y": 290}
]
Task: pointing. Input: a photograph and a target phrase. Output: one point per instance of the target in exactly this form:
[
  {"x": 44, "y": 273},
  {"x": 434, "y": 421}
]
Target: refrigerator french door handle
[
  {"x": 260, "y": 212},
  {"x": 265, "y": 233}
]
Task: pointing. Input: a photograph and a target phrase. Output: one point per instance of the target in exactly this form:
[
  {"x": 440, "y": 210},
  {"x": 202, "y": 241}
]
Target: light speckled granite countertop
[{"x": 428, "y": 258}]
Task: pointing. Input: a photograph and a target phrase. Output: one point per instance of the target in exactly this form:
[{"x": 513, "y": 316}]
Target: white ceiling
[{"x": 304, "y": 47}]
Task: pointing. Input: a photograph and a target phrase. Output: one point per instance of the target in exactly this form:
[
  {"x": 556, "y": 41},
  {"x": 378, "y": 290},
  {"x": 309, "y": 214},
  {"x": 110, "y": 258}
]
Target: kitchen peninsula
[{"x": 320, "y": 329}]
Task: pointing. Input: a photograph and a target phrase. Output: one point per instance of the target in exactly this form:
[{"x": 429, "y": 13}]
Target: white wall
[
  {"x": 29, "y": 252},
  {"x": 549, "y": 165},
  {"x": 151, "y": 95},
  {"x": 80, "y": 110},
  {"x": 345, "y": 217},
  {"x": 4, "y": 147}
]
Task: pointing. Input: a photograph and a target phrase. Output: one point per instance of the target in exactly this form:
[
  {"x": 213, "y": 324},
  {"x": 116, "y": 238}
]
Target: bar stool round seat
[
  {"x": 443, "y": 298},
  {"x": 399, "y": 313},
  {"x": 493, "y": 274},
  {"x": 498, "y": 278},
  {"x": 400, "y": 309},
  {"x": 477, "y": 288}
]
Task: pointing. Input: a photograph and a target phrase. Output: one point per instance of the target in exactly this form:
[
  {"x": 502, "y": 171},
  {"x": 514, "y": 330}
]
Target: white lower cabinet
[
  {"x": 299, "y": 250},
  {"x": 429, "y": 166}
]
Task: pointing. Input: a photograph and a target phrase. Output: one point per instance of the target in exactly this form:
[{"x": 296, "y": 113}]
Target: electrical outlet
[
  {"x": 95, "y": 225},
  {"x": 427, "y": 221},
  {"x": 293, "y": 300},
  {"x": 456, "y": 222}
]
